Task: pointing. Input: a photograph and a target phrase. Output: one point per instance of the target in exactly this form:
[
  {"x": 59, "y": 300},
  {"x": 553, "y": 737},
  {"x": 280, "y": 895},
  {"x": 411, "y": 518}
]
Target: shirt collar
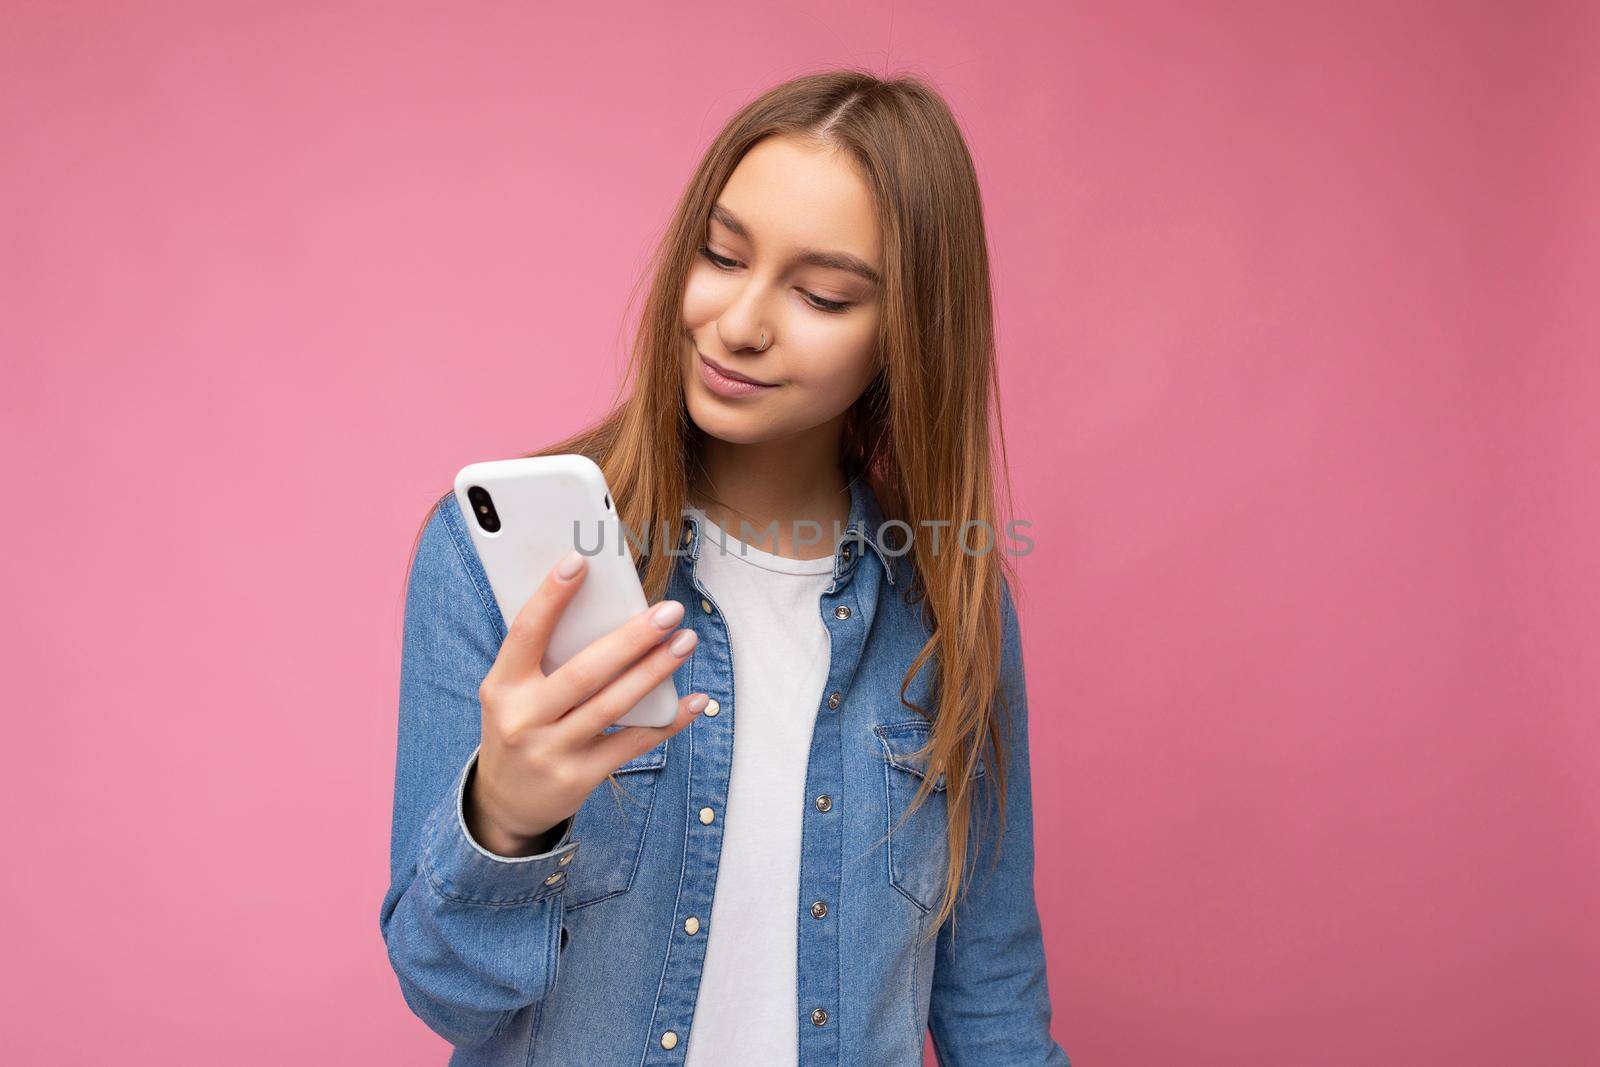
[{"x": 866, "y": 520}]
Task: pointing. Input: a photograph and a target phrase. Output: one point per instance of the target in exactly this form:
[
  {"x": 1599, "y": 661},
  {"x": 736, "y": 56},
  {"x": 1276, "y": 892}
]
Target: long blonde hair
[{"x": 921, "y": 431}]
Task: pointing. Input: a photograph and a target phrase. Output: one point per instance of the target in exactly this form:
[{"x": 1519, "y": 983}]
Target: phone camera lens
[{"x": 483, "y": 508}]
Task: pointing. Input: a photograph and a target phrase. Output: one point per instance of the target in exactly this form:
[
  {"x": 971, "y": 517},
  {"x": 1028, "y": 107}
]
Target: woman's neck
[{"x": 773, "y": 482}]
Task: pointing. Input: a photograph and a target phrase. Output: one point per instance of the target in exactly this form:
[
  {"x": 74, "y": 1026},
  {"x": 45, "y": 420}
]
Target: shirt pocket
[
  {"x": 611, "y": 827},
  {"x": 919, "y": 845}
]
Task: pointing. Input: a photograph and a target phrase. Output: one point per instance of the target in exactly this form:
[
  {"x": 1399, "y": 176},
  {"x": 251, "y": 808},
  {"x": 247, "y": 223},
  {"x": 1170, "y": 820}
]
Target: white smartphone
[{"x": 525, "y": 514}]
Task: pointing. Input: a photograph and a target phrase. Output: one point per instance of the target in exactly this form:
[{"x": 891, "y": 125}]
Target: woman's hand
[{"x": 542, "y": 752}]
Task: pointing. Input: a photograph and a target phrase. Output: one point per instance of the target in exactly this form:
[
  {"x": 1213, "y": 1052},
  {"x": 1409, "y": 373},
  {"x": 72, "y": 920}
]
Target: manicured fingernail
[
  {"x": 667, "y": 614},
  {"x": 570, "y": 564},
  {"x": 682, "y": 642},
  {"x": 698, "y": 702}
]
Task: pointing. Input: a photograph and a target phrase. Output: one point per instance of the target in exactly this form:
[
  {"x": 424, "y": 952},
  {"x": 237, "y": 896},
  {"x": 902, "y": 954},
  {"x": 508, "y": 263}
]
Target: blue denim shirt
[{"x": 581, "y": 955}]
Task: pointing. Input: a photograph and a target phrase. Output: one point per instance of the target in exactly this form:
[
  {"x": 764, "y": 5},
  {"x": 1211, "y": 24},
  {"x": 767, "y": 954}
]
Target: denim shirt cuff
[{"x": 458, "y": 868}]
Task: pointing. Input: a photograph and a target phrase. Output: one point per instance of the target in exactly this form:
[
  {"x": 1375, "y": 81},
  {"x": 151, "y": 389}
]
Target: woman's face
[{"x": 792, "y": 251}]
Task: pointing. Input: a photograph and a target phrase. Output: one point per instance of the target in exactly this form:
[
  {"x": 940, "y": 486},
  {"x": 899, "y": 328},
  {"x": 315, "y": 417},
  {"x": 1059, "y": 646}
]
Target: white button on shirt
[{"x": 746, "y": 1011}]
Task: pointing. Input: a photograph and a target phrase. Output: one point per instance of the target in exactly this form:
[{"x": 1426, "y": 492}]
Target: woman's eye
[
  {"x": 716, "y": 260},
  {"x": 832, "y": 307}
]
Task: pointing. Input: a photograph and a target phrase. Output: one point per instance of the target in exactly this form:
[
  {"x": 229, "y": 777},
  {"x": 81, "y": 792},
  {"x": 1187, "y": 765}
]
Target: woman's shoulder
[
  {"x": 444, "y": 566},
  {"x": 440, "y": 536}
]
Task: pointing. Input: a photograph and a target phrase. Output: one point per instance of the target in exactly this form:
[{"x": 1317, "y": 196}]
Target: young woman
[{"x": 852, "y": 866}]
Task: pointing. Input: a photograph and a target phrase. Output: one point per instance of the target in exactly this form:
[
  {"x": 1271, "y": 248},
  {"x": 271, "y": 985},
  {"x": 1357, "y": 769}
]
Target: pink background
[{"x": 1299, "y": 369}]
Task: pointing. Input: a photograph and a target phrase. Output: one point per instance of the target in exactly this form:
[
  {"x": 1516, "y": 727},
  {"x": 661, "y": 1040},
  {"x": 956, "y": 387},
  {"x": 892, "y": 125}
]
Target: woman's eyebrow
[{"x": 814, "y": 257}]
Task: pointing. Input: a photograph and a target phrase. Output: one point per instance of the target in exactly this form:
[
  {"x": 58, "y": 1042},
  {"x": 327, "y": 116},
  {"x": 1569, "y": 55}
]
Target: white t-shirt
[{"x": 747, "y": 1009}]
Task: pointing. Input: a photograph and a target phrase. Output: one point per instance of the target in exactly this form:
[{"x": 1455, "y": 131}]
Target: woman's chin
[{"x": 713, "y": 418}]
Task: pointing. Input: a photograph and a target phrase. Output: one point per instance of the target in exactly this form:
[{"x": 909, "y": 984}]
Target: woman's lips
[{"x": 723, "y": 385}]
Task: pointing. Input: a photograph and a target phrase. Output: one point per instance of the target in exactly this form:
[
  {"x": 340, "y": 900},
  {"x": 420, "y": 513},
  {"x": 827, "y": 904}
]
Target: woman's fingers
[
  {"x": 529, "y": 633},
  {"x": 606, "y": 657},
  {"x": 617, "y": 697},
  {"x": 613, "y": 750}
]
